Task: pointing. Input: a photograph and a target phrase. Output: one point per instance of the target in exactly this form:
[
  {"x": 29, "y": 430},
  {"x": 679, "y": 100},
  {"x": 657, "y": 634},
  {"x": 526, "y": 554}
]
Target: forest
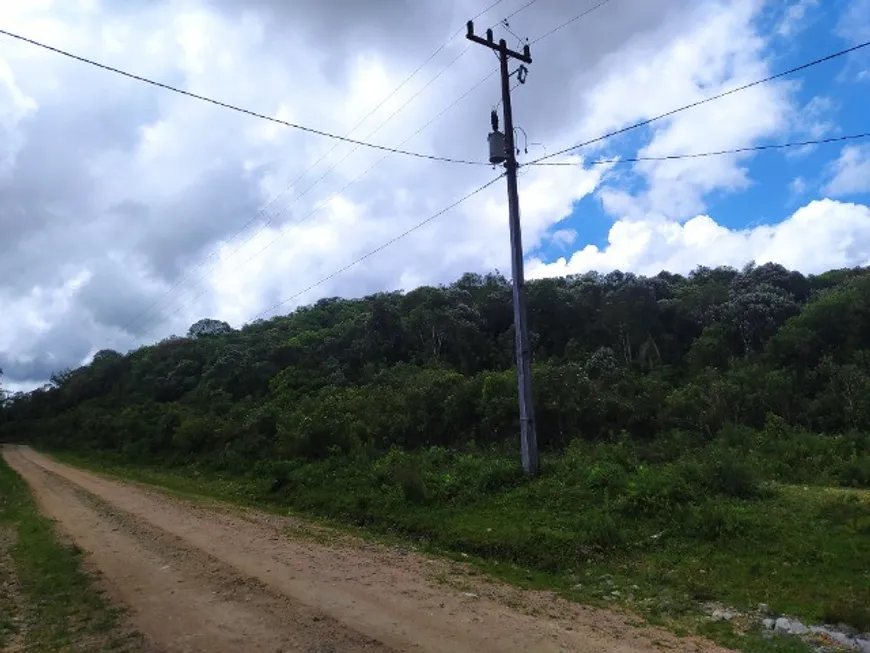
[{"x": 684, "y": 412}]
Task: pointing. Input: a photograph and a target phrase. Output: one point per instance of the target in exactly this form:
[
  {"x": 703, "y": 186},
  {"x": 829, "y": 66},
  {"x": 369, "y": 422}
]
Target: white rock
[
  {"x": 723, "y": 615},
  {"x": 841, "y": 638},
  {"x": 788, "y": 626},
  {"x": 863, "y": 645},
  {"x": 797, "y": 628},
  {"x": 768, "y": 624}
]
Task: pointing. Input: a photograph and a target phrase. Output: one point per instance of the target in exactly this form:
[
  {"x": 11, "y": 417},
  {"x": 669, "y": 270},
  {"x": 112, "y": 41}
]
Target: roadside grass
[
  {"x": 51, "y": 604},
  {"x": 598, "y": 527}
]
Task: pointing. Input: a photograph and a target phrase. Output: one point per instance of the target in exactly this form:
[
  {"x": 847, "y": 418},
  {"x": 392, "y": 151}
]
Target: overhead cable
[
  {"x": 698, "y": 155},
  {"x": 232, "y": 107},
  {"x": 718, "y": 96},
  {"x": 359, "y": 123},
  {"x": 381, "y": 247}
]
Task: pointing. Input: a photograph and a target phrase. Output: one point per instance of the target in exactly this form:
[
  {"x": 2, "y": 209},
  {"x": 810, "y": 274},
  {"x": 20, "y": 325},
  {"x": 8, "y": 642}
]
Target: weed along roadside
[
  {"x": 704, "y": 438},
  {"x": 47, "y": 601},
  {"x": 680, "y": 543}
]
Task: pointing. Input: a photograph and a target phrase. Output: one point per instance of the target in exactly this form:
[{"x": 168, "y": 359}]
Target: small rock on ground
[
  {"x": 723, "y": 615},
  {"x": 788, "y": 626}
]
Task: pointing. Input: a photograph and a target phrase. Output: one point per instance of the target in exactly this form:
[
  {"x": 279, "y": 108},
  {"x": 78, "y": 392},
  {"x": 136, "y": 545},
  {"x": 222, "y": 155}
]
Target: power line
[
  {"x": 326, "y": 154},
  {"x": 364, "y": 256},
  {"x": 312, "y": 211},
  {"x": 378, "y": 249},
  {"x": 435, "y": 54},
  {"x": 286, "y": 208},
  {"x": 356, "y": 179},
  {"x": 492, "y": 181},
  {"x": 428, "y": 59},
  {"x": 355, "y": 148},
  {"x": 510, "y": 15},
  {"x": 718, "y": 96},
  {"x": 346, "y": 186},
  {"x": 698, "y": 155},
  {"x": 443, "y": 111},
  {"x": 232, "y": 107},
  {"x": 569, "y": 21}
]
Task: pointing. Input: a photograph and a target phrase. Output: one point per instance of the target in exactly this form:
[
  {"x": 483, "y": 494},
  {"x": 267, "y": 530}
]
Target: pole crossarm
[{"x": 489, "y": 42}]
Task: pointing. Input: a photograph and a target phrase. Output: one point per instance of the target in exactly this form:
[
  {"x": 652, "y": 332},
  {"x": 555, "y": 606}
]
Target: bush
[
  {"x": 854, "y": 611},
  {"x": 848, "y": 510},
  {"x": 656, "y": 491},
  {"x": 725, "y": 475},
  {"x": 856, "y": 473},
  {"x": 410, "y": 479},
  {"x": 713, "y": 521},
  {"x": 607, "y": 475}
]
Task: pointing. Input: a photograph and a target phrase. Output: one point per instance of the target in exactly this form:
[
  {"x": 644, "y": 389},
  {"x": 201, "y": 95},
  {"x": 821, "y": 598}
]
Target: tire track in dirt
[
  {"x": 219, "y": 578},
  {"x": 183, "y": 600}
]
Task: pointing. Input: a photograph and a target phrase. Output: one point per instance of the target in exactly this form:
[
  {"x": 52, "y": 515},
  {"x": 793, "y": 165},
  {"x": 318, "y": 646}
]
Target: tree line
[
  {"x": 683, "y": 421},
  {"x": 615, "y": 356}
]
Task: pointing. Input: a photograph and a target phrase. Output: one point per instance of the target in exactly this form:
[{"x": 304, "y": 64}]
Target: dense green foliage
[
  {"x": 616, "y": 355},
  {"x": 666, "y": 408}
]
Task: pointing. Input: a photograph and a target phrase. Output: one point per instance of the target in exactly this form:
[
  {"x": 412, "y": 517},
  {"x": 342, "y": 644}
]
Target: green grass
[
  {"x": 53, "y": 604},
  {"x": 599, "y": 526}
]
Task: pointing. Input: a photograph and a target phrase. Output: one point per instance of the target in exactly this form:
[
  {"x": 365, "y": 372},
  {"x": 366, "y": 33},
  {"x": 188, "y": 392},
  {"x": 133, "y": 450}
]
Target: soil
[{"x": 202, "y": 576}]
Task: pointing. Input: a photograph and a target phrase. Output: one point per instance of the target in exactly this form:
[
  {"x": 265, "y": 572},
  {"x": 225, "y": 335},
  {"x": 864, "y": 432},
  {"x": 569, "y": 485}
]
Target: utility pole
[{"x": 504, "y": 150}]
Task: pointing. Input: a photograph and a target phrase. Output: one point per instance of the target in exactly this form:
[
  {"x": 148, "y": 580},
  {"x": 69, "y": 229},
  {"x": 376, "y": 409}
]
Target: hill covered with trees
[{"x": 675, "y": 414}]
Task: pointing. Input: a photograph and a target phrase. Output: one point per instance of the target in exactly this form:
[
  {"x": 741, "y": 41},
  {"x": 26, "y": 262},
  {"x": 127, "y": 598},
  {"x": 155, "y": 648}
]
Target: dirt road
[{"x": 209, "y": 577}]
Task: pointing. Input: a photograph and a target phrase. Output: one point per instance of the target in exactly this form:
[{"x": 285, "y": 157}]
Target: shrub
[
  {"x": 713, "y": 521},
  {"x": 854, "y": 611},
  {"x": 846, "y": 510},
  {"x": 856, "y": 473},
  {"x": 409, "y": 478},
  {"x": 607, "y": 475},
  {"x": 725, "y": 475},
  {"x": 654, "y": 491}
]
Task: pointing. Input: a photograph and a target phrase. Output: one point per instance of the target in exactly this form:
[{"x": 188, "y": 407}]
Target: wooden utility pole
[{"x": 528, "y": 434}]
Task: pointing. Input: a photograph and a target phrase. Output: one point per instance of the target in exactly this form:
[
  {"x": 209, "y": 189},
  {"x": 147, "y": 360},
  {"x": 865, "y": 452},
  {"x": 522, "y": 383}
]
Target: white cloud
[
  {"x": 854, "y": 27},
  {"x": 822, "y": 235},
  {"x": 128, "y": 188},
  {"x": 854, "y": 23},
  {"x": 563, "y": 237},
  {"x": 850, "y": 173},
  {"x": 793, "y": 17},
  {"x": 15, "y": 106},
  {"x": 722, "y": 51},
  {"x": 474, "y": 236},
  {"x": 815, "y": 118},
  {"x": 798, "y": 186}
]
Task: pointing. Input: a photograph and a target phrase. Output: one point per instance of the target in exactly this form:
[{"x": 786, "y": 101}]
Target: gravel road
[{"x": 203, "y": 576}]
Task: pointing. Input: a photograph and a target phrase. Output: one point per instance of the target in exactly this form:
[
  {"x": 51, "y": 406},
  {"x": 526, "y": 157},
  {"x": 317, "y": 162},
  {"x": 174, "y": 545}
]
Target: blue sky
[{"x": 833, "y": 98}]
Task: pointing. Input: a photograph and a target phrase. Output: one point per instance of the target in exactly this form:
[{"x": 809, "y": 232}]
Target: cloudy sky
[{"x": 128, "y": 212}]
